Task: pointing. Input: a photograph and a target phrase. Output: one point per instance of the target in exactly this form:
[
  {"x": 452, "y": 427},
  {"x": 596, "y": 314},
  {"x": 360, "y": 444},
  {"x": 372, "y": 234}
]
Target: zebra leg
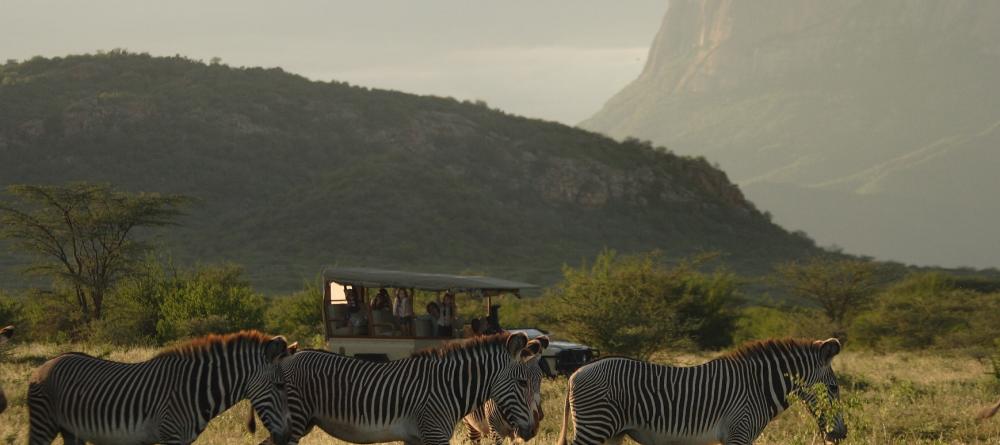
[
  {"x": 472, "y": 433},
  {"x": 435, "y": 431},
  {"x": 741, "y": 432},
  {"x": 615, "y": 440},
  {"x": 41, "y": 429},
  {"x": 70, "y": 438},
  {"x": 497, "y": 438}
]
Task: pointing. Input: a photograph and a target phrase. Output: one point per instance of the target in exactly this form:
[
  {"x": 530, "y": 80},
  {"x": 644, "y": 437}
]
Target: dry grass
[{"x": 893, "y": 399}]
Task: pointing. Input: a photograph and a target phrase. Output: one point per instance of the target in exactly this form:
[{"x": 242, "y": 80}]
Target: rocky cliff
[{"x": 835, "y": 109}]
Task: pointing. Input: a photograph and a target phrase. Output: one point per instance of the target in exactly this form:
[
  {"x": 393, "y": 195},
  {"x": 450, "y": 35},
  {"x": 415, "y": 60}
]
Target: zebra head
[
  {"x": 536, "y": 346},
  {"x": 830, "y": 424},
  {"x": 267, "y": 393},
  {"x": 511, "y": 388}
]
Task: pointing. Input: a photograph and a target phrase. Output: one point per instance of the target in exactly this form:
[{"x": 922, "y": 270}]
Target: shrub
[
  {"x": 132, "y": 309},
  {"x": 11, "y": 310},
  {"x": 52, "y": 316},
  {"x": 213, "y": 299},
  {"x": 762, "y": 322},
  {"x": 634, "y": 305},
  {"x": 929, "y": 310},
  {"x": 297, "y": 316}
]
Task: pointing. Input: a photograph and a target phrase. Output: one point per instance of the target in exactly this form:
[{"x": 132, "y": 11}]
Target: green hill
[{"x": 292, "y": 174}]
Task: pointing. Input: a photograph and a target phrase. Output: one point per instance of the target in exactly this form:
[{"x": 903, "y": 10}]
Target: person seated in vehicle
[
  {"x": 353, "y": 300},
  {"x": 448, "y": 310},
  {"x": 381, "y": 301},
  {"x": 493, "y": 321},
  {"x": 434, "y": 313},
  {"x": 402, "y": 309}
]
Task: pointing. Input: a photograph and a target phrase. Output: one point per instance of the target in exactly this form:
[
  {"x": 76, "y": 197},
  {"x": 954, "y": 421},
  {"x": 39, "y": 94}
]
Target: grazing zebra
[
  {"x": 417, "y": 400},
  {"x": 168, "y": 399},
  {"x": 728, "y": 400},
  {"x": 487, "y": 420},
  {"x": 5, "y": 334}
]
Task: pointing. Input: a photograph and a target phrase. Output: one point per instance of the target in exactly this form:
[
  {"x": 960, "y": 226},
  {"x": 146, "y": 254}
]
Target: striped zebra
[
  {"x": 168, "y": 399},
  {"x": 486, "y": 421},
  {"x": 728, "y": 400},
  {"x": 417, "y": 400},
  {"x": 5, "y": 335}
]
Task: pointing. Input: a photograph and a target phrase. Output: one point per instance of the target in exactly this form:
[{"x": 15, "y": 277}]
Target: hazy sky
[{"x": 557, "y": 60}]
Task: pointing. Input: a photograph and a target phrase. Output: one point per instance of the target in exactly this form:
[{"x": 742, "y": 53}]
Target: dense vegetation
[{"x": 291, "y": 174}]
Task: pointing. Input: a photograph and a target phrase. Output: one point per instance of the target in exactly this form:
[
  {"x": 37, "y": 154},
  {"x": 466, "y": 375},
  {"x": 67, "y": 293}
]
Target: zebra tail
[
  {"x": 988, "y": 412},
  {"x": 566, "y": 414}
]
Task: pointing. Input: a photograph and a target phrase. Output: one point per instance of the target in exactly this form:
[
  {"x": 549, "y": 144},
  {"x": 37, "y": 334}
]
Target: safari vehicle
[
  {"x": 354, "y": 329},
  {"x": 560, "y": 357}
]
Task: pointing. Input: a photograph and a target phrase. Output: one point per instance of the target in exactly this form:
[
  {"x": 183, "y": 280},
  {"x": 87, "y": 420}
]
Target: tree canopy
[{"x": 83, "y": 235}]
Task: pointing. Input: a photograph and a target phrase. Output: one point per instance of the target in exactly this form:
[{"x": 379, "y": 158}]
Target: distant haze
[
  {"x": 872, "y": 125},
  {"x": 551, "y": 60}
]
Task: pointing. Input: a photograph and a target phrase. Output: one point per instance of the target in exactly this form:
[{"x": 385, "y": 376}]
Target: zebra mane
[
  {"x": 202, "y": 344},
  {"x": 770, "y": 347},
  {"x": 480, "y": 342}
]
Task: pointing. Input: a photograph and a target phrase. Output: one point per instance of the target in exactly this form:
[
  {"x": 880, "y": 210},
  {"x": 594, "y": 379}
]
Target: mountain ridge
[
  {"x": 294, "y": 174},
  {"x": 878, "y": 100}
]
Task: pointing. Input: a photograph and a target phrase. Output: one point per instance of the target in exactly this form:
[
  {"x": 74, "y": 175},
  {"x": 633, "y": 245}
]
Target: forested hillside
[{"x": 291, "y": 174}]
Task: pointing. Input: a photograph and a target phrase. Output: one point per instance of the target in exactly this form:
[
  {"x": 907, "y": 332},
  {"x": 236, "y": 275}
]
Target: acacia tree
[
  {"x": 842, "y": 287},
  {"x": 83, "y": 234}
]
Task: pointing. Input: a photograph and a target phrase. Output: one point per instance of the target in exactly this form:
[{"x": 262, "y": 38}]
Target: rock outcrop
[{"x": 810, "y": 104}]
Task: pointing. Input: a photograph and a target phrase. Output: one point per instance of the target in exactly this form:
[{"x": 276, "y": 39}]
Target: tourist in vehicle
[
  {"x": 402, "y": 309},
  {"x": 448, "y": 310},
  {"x": 381, "y": 300},
  {"x": 434, "y": 312},
  {"x": 353, "y": 300}
]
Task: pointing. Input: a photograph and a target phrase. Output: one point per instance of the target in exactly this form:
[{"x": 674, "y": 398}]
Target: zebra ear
[
  {"x": 516, "y": 343},
  {"x": 828, "y": 348},
  {"x": 532, "y": 350},
  {"x": 544, "y": 341},
  {"x": 275, "y": 349}
]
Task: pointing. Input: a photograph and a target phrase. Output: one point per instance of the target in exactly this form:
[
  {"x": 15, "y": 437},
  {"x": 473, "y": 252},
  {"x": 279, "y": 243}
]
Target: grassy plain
[{"x": 895, "y": 398}]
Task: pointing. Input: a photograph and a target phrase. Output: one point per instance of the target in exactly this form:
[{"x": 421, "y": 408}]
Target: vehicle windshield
[{"x": 530, "y": 332}]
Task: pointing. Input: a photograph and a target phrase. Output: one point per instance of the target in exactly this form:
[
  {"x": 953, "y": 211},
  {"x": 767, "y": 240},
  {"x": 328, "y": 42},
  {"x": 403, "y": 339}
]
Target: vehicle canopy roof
[{"x": 357, "y": 276}]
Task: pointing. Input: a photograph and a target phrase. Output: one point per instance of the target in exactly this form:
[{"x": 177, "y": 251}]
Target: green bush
[
  {"x": 214, "y": 299},
  {"x": 52, "y": 316},
  {"x": 11, "y": 310},
  {"x": 132, "y": 309},
  {"x": 635, "y": 305},
  {"x": 298, "y": 316},
  {"x": 929, "y": 310},
  {"x": 762, "y": 322}
]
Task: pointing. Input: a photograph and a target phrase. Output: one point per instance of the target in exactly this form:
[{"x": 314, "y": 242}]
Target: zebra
[
  {"x": 168, "y": 399},
  {"x": 728, "y": 400},
  {"x": 5, "y": 335},
  {"x": 487, "y": 421},
  {"x": 417, "y": 400}
]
